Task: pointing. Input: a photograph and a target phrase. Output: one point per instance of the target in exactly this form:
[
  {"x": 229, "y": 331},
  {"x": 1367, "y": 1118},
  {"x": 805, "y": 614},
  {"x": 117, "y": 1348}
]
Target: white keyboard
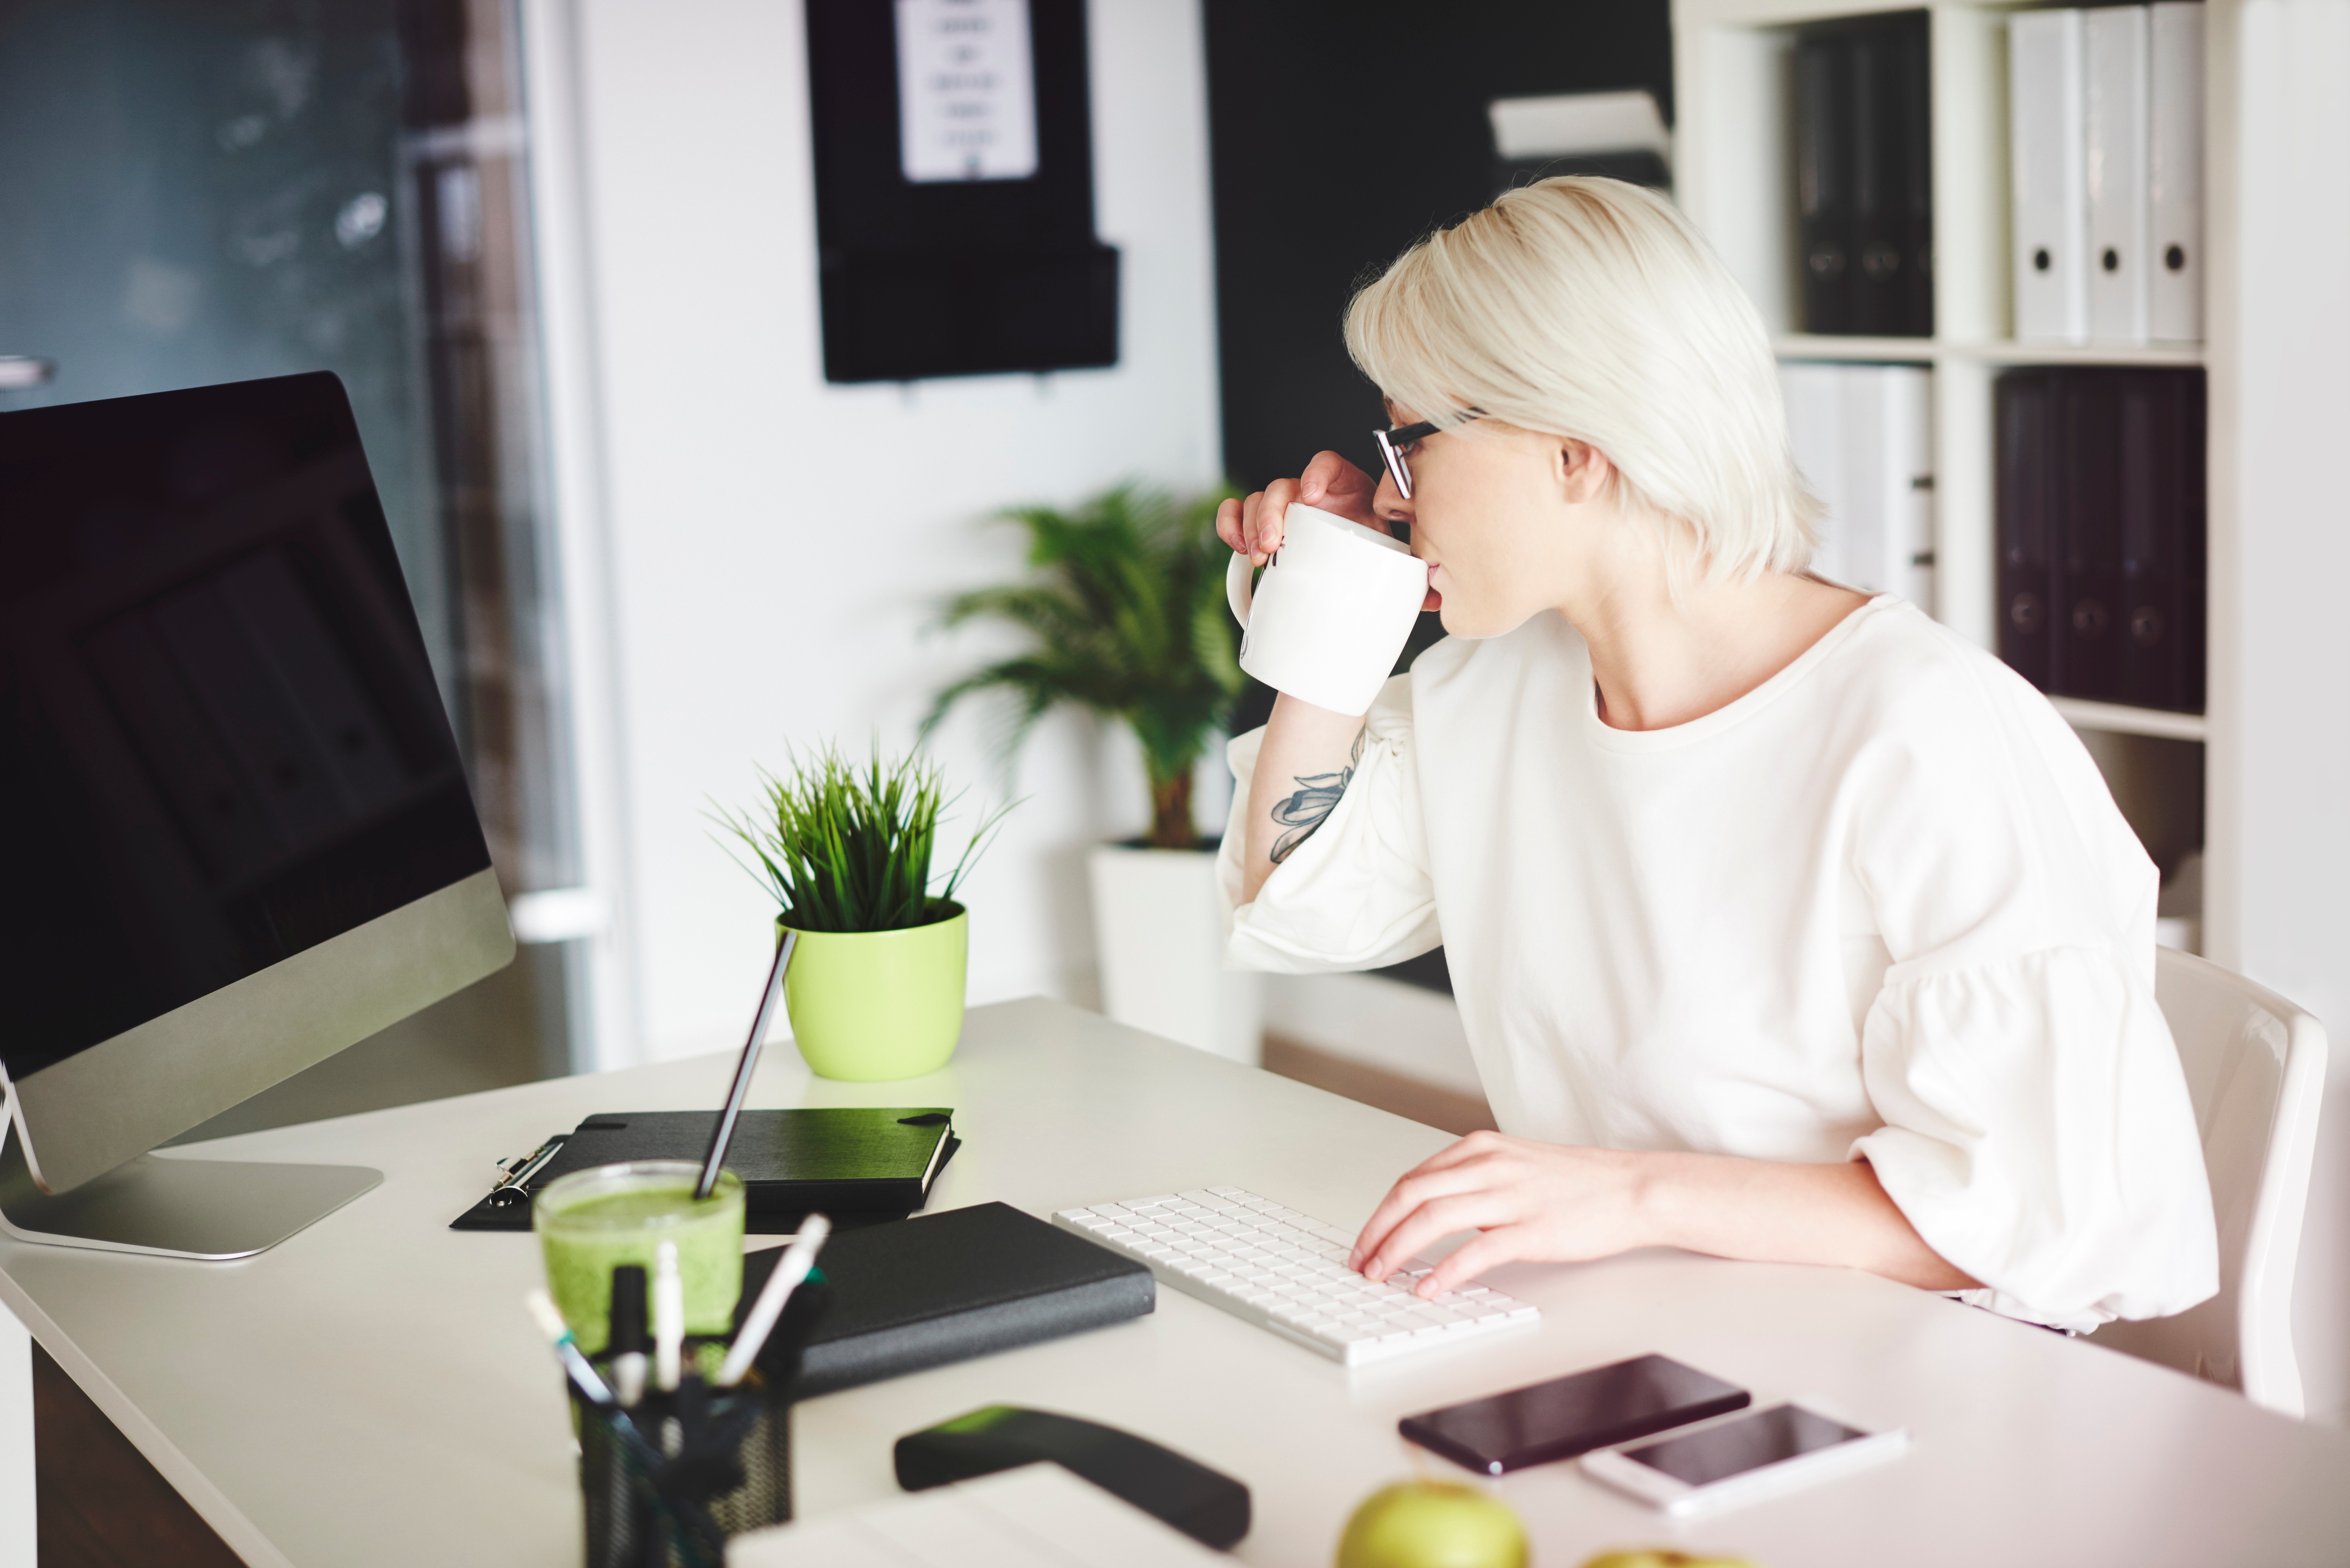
[{"x": 1287, "y": 1271}]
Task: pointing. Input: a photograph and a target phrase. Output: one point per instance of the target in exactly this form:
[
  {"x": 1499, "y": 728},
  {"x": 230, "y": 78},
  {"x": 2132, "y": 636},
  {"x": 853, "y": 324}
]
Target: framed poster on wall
[{"x": 954, "y": 189}]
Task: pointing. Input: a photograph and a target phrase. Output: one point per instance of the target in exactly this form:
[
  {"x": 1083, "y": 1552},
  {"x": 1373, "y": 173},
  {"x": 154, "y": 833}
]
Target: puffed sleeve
[
  {"x": 2038, "y": 1132},
  {"x": 1355, "y": 894}
]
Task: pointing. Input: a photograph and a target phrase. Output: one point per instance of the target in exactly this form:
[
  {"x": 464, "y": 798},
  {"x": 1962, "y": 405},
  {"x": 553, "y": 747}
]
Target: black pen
[{"x": 626, "y": 1340}]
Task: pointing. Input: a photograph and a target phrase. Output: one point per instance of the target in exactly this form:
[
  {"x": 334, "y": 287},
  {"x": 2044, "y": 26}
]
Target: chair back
[{"x": 2256, "y": 1071}]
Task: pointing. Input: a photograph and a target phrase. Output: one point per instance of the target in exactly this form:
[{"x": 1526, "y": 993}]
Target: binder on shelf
[
  {"x": 2114, "y": 54},
  {"x": 1899, "y": 408},
  {"x": 1823, "y": 197},
  {"x": 1862, "y": 437},
  {"x": 1864, "y": 176},
  {"x": 1813, "y": 394},
  {"x": 2175, "y": 172},
  {"x": 2162, "y": 540},
  {"x": 1908, "y": 46},
  {"x": 2089, "y": 608},
  {"x": 1891, "y": 178},
  {"x": 2023, "y": 403},
  {"x": 2100, "y": 530},
  {"x": 2045, "y": 149}
]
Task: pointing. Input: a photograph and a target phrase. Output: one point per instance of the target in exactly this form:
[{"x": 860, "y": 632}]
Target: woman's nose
[{"x": 1389, "y": 506}]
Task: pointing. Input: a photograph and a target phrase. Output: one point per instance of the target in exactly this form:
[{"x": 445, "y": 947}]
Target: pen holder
[
  {"x": 704, "y": 1464},
  {"x": 664, "y": 1484}
]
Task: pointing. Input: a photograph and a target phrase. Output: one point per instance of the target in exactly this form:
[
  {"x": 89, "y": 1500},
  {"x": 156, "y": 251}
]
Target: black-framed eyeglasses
[{"x": 1393, "y": 441}]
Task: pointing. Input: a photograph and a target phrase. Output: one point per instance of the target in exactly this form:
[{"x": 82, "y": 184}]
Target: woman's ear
[{"x": 1583, "y": 472}]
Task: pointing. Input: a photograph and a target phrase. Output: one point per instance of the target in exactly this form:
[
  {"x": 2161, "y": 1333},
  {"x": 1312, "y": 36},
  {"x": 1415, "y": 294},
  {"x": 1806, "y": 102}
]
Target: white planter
[{"x": 1159, "y": 928}]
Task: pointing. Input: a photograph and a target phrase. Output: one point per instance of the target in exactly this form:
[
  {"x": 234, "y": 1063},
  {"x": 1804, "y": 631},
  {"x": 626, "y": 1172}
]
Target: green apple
[
  {"x": 1432, "y": 1524},
  {"x": 1663, "y": 1557}
]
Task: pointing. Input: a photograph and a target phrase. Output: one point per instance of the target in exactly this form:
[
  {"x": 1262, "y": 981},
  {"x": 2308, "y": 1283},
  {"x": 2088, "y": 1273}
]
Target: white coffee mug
[{"x": 1331, "y": 612}]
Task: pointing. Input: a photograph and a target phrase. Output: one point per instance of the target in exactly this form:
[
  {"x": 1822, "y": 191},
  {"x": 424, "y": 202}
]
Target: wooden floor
[{"x": 101, "y": 1504}]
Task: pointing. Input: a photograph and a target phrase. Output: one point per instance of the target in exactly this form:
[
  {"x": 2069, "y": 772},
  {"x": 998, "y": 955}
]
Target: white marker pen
[{"x": 668, "y": 1318}]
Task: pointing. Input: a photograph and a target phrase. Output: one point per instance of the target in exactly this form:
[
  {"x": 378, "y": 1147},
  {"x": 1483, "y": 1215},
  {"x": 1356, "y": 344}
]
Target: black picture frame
[{"x": 954, "y": 278}]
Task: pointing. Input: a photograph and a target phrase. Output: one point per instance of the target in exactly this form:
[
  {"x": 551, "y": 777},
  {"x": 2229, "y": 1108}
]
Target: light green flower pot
[{"x": 872, "y": 1005}]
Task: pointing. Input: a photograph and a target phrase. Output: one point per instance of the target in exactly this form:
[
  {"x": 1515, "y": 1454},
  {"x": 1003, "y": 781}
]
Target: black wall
[{"x": 1343, "y": 130}]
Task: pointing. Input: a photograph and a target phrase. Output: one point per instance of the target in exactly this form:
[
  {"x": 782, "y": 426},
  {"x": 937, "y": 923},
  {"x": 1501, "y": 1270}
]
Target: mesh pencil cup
[{"x": 666, "y": 1483}]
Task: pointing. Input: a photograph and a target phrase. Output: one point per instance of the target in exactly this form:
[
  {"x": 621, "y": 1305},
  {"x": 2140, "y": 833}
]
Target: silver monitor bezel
[{"x": 113, "y": 1101}]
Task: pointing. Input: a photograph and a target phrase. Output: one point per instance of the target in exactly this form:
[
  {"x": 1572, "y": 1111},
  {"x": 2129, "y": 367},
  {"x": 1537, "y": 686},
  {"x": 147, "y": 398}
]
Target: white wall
[
  {"x": 2282, "y": 788},
  {"x": 775, "y": 546},
  {"x": 18, "y": 1525}
]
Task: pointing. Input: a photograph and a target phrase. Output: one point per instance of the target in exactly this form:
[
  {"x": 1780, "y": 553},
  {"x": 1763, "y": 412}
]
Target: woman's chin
[{"x": 1461, "y": 619}]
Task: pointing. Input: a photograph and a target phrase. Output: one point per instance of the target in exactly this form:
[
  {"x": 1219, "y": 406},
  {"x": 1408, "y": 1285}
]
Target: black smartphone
[{"x": 1573, "y": 1415}]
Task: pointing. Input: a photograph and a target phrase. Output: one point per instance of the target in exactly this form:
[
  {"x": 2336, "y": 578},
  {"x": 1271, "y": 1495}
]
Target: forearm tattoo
[{"x": 1317, "y": 797}]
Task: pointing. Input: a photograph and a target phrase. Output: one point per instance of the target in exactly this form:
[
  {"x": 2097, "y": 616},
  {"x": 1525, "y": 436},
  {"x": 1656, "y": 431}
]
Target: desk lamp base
[{"x": 210, "y": 1210}]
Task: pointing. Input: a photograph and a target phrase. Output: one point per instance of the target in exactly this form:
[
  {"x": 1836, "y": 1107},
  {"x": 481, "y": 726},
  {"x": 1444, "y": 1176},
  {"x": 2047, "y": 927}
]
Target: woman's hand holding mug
[
  {"x": 1330, "y": 484},
  {"x": 1339, "y": 594}
]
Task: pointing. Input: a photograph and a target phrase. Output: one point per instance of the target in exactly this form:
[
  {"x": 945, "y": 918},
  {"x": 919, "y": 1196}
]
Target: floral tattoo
[{"x": 1317, "y": 797}]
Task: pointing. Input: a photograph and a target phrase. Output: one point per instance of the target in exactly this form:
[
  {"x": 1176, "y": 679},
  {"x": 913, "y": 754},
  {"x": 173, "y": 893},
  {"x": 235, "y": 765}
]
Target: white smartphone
[{"x": 1741, "y": 1459}]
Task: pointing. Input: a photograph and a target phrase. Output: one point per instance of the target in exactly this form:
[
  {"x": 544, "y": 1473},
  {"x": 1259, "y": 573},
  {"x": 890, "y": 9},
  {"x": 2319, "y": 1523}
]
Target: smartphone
[
  {"x": 1752, "y": 1457},
  {"x": 1619, "y": 1403}
]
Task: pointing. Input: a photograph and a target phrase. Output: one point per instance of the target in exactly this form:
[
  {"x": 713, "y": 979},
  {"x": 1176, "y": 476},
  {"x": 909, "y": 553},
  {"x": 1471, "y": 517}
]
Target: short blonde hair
[{"x": 1593, "y": 310}]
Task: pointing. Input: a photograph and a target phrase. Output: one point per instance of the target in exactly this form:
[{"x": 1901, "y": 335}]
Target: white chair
[{"x": 2256, "y": 1070}]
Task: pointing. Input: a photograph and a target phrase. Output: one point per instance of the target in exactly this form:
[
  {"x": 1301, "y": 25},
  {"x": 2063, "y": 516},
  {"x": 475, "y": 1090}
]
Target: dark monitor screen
[{"x": 220, "y": 741}]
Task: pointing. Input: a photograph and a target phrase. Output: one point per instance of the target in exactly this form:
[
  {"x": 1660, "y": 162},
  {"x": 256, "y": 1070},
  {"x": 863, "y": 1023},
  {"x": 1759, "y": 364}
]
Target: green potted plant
[
  {"x": 1124, "y": 614},
  {"x": 875, "y": 986}
]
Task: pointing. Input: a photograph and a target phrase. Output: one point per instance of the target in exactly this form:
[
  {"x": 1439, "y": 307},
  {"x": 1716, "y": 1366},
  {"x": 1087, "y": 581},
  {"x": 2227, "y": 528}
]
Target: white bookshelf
[
  {"x": 2275, "y": 734},
  {"x": 1733, "y": 172}
]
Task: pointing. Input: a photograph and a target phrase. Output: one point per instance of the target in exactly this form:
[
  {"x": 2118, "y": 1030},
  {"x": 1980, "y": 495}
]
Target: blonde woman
[{"x": 1786, "y": 924}]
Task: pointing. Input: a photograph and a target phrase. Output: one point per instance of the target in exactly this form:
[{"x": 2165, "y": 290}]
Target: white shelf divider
[
  {"x": 1872, "y": 350},
  {"x": 1968, "y": 69},
  {"x": 1988, "y": 351},
  {"x": 2009, "y": 352},
  {"x": 2115, "y": 719}
]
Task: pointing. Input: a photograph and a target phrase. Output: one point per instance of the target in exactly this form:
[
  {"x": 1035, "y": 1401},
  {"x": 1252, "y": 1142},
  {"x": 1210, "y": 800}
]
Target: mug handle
[{"x": 1237, "y": 591}]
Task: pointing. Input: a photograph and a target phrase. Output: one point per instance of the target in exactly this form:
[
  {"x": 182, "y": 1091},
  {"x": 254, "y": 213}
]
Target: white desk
[{"x": 370, "y": 1392}]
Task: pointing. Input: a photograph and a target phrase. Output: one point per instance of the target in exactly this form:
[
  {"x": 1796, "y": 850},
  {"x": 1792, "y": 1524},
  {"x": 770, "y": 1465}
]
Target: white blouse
[{"x": 1880, "y": 907}]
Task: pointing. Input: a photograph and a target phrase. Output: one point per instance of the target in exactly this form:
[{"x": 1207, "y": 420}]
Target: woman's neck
[{"x": 1662, "y": 659}]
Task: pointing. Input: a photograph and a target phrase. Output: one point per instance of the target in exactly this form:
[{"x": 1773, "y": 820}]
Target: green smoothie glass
[{"x": 591, "y": 1221}]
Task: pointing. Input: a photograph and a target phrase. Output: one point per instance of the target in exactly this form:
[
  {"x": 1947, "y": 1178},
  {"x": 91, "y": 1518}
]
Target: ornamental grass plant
[
  {"x": 1125, "y": 617},
  {"x": 847, "y": 848}
]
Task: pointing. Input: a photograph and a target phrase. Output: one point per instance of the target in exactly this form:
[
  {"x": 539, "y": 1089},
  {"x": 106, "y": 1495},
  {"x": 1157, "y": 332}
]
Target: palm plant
[{"x": 1126, "y": 617}]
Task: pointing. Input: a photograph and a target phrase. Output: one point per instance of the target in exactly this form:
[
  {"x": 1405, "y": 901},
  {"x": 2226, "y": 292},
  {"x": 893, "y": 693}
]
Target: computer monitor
[{"x": 234, "y": 833}]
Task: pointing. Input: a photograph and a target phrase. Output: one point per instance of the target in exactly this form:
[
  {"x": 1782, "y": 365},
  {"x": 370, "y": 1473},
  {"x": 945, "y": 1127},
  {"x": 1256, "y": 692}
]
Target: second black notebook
[{"x": 940, "y": 1288}]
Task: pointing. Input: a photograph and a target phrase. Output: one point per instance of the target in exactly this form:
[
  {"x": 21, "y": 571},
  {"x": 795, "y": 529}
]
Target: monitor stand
[{"x": 172, "y": 1207}]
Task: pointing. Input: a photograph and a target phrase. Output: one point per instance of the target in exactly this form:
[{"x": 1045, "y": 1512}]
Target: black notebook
[
  {"x": 841, "y": 1161},
  {"x": 942, "y": 1288}
]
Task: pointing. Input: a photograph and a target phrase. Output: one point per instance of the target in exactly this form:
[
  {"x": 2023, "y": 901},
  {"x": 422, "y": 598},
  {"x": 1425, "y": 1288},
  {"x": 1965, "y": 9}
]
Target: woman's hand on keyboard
[
  {"x": 1533, "y": 1201},
  {"x": 1553, "y": 1203}
]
